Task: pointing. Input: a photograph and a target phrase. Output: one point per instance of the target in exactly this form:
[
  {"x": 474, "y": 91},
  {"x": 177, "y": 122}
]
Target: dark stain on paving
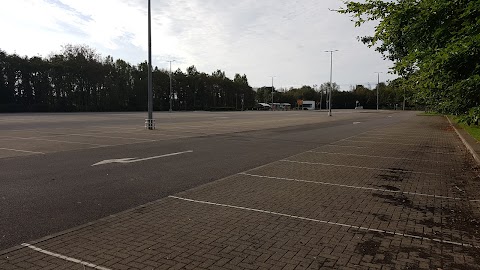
[
  {"x": 390, "y": 177},
  {"x": 399, "y": 200},
  {"x": 369, "y": 247},
  {"x": 387, "y": 258},
  {"x": 430, "y": 223},
  {"x": 372, "y": 248},
  {"x": 397, "y": 169},
  {"x": 382, "y": 217},
  {"x": 394, "y": 175},
  {"x": 388, "y": 187},
  {"x": 447, "y": 128},
  {"x": 322, "y": 263},
  {"x": 462, "y": 219},
  {"x": 430, "y": 209},
  {"x": 416, "y": 252}
]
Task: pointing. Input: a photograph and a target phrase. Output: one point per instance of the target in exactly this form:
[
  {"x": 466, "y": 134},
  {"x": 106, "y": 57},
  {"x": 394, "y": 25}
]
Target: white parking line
[
  {"x": 345, "y": 146},
  {"x": 76, "y": 134},
  {"x": 98, "y": 136},
  {"x": 327, "y": 222},
  {"x": 403, "y": 150},
  {"x": 377, "y": 142},
  {"x": 357, "y": 167},
  {"x": 398, "y": 158},
  {"x": 48, "y": 140},
  {"x": 394, "y": 135},
  {"x": 22, "y": 151},
  {"x": 354, "y": 187},
  {"x": 387, "y": 138},
  {"x": 66, "y": 258}
]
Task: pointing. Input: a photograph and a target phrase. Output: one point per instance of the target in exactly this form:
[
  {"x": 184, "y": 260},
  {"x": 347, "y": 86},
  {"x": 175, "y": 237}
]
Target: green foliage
[
  {"x": 79, "y": 79},
  {"x": 471, "y": 118},
  {"x": 435, "y": 46}
]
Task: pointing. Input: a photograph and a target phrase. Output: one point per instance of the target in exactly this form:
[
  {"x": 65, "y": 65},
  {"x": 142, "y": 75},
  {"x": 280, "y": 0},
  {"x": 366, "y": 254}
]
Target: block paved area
[{"x": 398, "y": 197}]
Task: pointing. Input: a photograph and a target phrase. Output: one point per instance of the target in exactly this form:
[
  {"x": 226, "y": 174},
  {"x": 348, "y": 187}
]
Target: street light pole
[
  {"x": 171, "y": 91},
  {"x": 331, "y": 86},
  {"x": 150, "y": 122},
  {"x": 272, "y": 90},
  {"x": 378, "y": 85},
  {"x": 321, "y": 97}
]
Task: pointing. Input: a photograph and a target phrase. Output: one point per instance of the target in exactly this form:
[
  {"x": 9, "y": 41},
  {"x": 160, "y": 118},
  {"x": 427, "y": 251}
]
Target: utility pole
[
  {"x": 171, "y": 91},
  {"x": 150, "y": 122},
  {"x": 331, "y": 86},
  {"x": 404, "y": 98},
  {"x": 378, "y": 85}
]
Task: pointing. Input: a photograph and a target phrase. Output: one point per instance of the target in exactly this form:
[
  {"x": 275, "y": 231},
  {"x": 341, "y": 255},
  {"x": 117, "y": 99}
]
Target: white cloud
[{"x": 258, "y": 38}]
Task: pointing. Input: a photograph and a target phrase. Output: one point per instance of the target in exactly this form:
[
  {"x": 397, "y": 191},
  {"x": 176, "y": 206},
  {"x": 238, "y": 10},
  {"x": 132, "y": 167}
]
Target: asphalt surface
[{"x": 41, "y": 194}]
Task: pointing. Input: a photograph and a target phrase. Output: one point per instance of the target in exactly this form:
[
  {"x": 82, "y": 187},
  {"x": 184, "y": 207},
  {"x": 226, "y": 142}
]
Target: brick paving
[{"x": 398, "y": 197}]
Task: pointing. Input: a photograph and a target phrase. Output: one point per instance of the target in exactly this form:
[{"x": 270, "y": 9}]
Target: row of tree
[
  {"x": 435, "y": 47},
  {"x": 79, "y": 79}
]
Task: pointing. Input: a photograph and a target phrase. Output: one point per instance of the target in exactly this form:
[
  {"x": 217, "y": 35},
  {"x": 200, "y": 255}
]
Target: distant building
[
  {"x": 308, "y": 105},
  {"x": 281, "y": 106},
  {"x": 263, "y": 106}
]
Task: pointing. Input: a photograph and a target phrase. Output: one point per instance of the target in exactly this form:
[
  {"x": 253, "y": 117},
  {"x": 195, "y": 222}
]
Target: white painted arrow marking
[{"x": 132, "y": 160}]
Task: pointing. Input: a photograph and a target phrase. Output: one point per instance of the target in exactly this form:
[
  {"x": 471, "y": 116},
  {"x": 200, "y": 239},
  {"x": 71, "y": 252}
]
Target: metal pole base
[{"x": 150, "y": 124}]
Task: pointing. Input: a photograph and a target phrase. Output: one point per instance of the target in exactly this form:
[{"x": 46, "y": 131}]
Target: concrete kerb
[{"x": 465, "y": 142}]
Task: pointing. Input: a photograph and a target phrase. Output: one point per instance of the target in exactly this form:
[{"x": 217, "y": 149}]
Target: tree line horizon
[{"x": 78, "y": 79}]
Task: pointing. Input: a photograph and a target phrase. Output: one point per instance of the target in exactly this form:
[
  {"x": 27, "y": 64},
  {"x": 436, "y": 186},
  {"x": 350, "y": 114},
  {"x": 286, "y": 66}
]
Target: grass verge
[
  {"x": 474, "y": 131},
  {"x": 429, "y": 114}
]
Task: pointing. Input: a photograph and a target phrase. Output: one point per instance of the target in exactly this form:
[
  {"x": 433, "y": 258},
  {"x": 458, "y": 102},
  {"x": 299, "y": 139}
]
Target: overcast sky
[{"x": 259, "y": 38}]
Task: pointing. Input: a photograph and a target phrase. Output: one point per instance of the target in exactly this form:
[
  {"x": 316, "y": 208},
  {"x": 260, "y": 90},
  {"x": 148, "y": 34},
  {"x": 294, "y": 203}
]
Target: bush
[{"x": 472, "y": 117}]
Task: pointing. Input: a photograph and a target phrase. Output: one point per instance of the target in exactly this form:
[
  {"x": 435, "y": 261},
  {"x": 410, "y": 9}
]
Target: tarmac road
[{"x": 41, "y": 194}]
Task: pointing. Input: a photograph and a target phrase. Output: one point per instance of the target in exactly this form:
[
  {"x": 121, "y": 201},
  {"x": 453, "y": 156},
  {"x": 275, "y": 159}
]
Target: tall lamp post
[
  {"x": 331, "y": 86},
  {"x": 171, "y": 91},
  {"x": 272, "y": 90},
  {"x": 378, "y": 84},
  {"x": 150, "y": 122}
]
